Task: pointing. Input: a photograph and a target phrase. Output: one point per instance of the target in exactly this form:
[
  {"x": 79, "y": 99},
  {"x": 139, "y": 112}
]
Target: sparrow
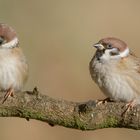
[
  {"x": 13, "y": 64},
  {"x": 116, "y": 70}
]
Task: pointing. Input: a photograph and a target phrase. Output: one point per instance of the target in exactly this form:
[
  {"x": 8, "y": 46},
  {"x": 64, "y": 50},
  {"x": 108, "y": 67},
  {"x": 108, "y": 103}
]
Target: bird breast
[
  {"x": 13, "y": 69},
  {"x": 113, "y": 81}
]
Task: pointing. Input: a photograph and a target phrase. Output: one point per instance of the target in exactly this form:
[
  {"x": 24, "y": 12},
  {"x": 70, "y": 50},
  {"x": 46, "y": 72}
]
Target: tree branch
[{"x": 83, "y": 116}]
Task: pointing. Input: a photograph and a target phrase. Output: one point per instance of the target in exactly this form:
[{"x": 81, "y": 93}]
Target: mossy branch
[{"x": 83, "y": 116}]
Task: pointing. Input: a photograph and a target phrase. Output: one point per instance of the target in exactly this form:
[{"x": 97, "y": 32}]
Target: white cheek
[
  {"x": 10, "y": 44},
  {"x": 107, "y": 57},
  {"x": 124, "y": 53}
]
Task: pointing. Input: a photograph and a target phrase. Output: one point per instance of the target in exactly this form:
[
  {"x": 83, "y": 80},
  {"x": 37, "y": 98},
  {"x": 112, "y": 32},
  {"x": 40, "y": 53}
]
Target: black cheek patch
[
  {"x": 1, "y": 40},
  {"x": 114, "y": 53}
]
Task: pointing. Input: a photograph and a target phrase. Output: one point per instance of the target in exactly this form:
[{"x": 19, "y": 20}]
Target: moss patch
[{"x": 111, "y": 121}]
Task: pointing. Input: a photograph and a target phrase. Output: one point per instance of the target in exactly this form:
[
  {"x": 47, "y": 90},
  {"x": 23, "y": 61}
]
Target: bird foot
[
  {"x": 129, "y": 106},
  {"x": 104, "y": 101},
  {"x": 8, "y": 93}
]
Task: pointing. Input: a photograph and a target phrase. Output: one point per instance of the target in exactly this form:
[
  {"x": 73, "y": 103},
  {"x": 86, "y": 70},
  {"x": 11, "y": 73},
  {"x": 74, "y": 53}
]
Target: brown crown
[
  {"x": 115, "y": 42},
  {"x": 7, "y": 32}
]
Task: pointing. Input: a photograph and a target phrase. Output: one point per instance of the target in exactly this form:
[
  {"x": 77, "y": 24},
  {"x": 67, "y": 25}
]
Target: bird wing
[{"x": 133, "y": 72}]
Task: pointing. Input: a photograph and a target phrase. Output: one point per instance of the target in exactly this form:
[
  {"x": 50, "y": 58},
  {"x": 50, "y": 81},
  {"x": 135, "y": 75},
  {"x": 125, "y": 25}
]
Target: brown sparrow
[
  {"x": 13, "y": 66},
  {"x": 116, "y": 71}
]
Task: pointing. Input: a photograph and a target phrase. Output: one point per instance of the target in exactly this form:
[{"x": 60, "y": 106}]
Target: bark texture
[{"x": 83, "y": 116}]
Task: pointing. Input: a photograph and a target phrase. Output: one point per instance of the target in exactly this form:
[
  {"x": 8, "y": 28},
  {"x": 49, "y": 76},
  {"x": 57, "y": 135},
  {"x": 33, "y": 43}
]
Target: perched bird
[
  {"x": 13, "y": 65},
  {"x": 116, "y": 70}
]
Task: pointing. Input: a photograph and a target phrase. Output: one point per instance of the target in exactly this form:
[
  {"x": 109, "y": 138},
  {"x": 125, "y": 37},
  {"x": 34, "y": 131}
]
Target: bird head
[
  {"x": 111, "y": 49},
  {"x": 8, "y": 36}
]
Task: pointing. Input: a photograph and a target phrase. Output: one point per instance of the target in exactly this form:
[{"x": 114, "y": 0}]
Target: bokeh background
[{"x": 57, "y": 38}]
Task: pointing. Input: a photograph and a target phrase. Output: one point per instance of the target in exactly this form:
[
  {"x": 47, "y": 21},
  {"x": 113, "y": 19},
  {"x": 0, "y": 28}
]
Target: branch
[{"x": 83, "y": 116}]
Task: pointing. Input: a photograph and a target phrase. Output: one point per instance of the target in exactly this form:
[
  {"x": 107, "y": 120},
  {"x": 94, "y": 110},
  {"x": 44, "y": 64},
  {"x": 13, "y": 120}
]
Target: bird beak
[{"x": 98, "y": 46}]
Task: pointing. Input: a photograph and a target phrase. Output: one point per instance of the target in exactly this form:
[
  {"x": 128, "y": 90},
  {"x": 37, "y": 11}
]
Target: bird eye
[
  {"x": 109, "y": 46},
  {"x": 1, "y": 40}
]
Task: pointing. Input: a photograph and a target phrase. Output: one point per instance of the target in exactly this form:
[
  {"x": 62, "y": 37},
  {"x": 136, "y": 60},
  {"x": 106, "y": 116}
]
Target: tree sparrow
[
  {"x": 116, "y": 71},
  {"x": 13, "y": 66}
]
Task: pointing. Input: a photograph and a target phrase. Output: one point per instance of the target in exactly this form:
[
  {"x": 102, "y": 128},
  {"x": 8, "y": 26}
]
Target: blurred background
[{"x": 56, "y": 37}]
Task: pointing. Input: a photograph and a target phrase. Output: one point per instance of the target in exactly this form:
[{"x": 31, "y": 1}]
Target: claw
[
  {"x": 9, "y": 92},
  {"x": 129, "y": 105},
  {"x": 104, "y": 101}
]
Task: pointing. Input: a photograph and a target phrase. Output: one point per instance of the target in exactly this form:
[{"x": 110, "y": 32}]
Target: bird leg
[
  {"x": 104, "y": 101},
  {"x": 129, "y": 105},
  {"x": 9, "y": 92}
]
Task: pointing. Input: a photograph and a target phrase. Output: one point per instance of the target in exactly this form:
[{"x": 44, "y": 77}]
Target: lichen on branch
[{"x": 83, "y": 116}]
